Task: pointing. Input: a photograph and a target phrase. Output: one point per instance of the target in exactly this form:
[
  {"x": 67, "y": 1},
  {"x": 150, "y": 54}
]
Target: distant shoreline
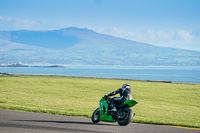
[
  {"x": 23, "y": 65},
  {"x": 174, "y": 74},
  {"x": 156, "y": 81}
]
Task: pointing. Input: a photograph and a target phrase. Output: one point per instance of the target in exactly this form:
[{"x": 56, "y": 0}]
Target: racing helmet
[{"x": 125, "y": 86}]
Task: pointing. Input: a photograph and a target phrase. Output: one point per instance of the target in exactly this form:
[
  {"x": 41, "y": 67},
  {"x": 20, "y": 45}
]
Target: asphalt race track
[{"x": 27, "y": 122}]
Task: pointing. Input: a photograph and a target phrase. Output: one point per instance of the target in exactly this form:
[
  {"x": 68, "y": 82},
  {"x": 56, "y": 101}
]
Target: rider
[{"x": 125, "y": 94}]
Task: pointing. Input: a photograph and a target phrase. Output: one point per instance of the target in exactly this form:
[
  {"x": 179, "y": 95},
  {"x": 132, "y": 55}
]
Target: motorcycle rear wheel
[
  {"x": 128, "y": 116},
  {"x": 96, "y": 116}
]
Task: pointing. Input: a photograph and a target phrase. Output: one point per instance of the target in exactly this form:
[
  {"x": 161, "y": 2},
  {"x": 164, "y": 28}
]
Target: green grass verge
[{"x": 158, "y": 103}]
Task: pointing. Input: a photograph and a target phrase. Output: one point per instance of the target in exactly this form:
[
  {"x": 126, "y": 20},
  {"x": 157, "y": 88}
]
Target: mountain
[{"x": 86, "y": 47}]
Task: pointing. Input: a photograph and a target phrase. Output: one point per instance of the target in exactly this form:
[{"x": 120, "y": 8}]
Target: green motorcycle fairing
[
  {"x": 103, "y": 111},
  {"x": 130, "y": 103},
  {"x": 104, "y": 108}
]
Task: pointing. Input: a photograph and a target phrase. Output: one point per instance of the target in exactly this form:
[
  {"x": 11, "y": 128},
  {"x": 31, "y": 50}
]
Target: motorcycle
[{"x": 123, "y": 116}]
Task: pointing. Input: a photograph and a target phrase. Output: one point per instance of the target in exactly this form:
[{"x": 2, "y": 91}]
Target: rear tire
[
  {"x": 127, "y": 117},
  {"x": 96, "y": 116}
]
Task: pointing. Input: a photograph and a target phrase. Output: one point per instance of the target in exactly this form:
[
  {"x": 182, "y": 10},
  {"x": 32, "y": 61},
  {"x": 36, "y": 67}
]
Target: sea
[{"x": 181, "y": 74}]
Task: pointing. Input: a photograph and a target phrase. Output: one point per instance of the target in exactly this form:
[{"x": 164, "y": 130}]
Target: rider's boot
[{"x": 113, "y": 108}]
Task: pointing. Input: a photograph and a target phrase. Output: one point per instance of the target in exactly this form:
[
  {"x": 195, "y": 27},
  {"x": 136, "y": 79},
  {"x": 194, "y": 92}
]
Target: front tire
[
  {"x": 127, "y": 117},
  {"x": 96, "y": 116}
]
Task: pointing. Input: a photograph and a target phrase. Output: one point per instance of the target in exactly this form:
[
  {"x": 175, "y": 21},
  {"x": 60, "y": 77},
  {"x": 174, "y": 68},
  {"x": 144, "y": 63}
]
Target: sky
[{"x": 166, "y": 23}]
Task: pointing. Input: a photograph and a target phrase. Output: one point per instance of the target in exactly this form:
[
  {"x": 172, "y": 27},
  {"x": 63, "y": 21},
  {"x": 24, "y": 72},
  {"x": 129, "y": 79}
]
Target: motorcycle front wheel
[
  {"x": 96, "y": 116},
  {"x": 126, "y": 118}
]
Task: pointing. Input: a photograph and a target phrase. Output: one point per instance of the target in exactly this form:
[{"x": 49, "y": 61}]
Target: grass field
[{"x": 158, "y": 103}]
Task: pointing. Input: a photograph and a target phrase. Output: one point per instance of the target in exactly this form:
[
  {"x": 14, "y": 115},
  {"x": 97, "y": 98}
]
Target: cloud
[
  {"x": 184, "y": 35},
  {"x": 113, "y": 31},
  {"x": 153, "y": 34},
  {"x": 8, "y": 23},
  {"x": 172, "y": 35},
  {"x": 173, "y": 38}
]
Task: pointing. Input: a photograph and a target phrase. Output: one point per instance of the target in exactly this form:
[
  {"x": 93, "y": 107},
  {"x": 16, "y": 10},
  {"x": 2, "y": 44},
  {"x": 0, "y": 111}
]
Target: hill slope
[{"x": 86, "y": 47}]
